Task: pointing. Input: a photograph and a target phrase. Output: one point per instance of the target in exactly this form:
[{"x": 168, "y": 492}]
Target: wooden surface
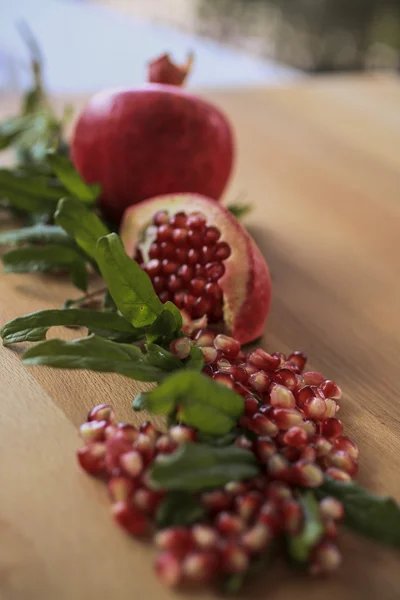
[{"x": 321, "y": 164}]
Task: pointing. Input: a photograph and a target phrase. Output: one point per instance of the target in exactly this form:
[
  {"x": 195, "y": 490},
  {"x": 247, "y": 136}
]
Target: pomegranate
[
  {"x": 203, "y": 260},
  {"x": 156, "y": 139}
]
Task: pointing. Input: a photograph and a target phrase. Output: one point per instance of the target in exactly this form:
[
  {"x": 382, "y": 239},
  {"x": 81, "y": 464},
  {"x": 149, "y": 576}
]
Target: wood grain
[{"x": 320, "y": 162}]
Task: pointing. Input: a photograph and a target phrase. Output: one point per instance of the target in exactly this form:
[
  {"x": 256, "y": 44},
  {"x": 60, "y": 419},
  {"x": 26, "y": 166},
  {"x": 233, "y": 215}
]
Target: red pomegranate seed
[
  {"x": 341, "y": 460},
  {"x": 164, "y": 296},
  {"x": 326, "y": 558},
  {"x": 224, "y": 379},
  {"x": 313, "y": 378},
  {"x": 229, "y": 346},
  {"x": 303, "y": 394},
  {"x": 204, "y": 536},
  {"x": 278, "y": 491},
  {"x": 110, "y": 431},
  {"x": 236, "y": 488},
  {"x": 331, "y": 408},
  {"x": 168, "y": 569},
  {"x": 161, "y": 218},
  {"x": 270, "y": 516},
  {"x": 175, "y": 284},
  {"x": 159, "y": 284},
  {"x": 330, "y": 508},
  {"x": 338, "y": 474},
  {"x": 331, "y": 390},
  {"x": 181, "y": 347},
  {"x": 186, "y": 273},
  {"x": 204, "y": 337},
  {"x": 130, "y": 518},
  {"x": 257, "y": 538},
  {"x": 193, "y": 256},
  {"x": 216, "y": 501},
  {"x": 209, "y": 354},
  {"x": 250, "y": 369},
  {"x": 307, "y": 474},
  {"x": 155, "y": 251},
  {"x": 243, "y": 442},
  {"x": 211, "y": 235},
  {"x": 309, "y": 427},
  {"x": 308, "y": 454},
  {"x": 167, "y": 250},
  {"x": 331, "y": 428},
  {"x": 200, "y": 271},
  {"x": 179, "y": 236},
  {"x": 102, "y": 412},
  {"x": 234, "y": 559},
  {"x": 229, "y": 523},
  {"x": 146, "y": 447},
  {"x": 264, "y": 448},
  {"x": 93, "y": 431},
  {"x": 285, "y": 377},
  {"x": 182, "y": 434},
  {"x": 295, "y": 436},
  {"x": 178, "y": 540},
  {"x": 315, "y": 408},
  {"x": 164, "y": 233},
  {"x": 292, "y": 516},
  {"x": 181, "y": 255},
  {"x": 131, "y": 463},
  {"x": 147, "y": 500},
  {"x": 291, "y": 453},
  {"x": 264, "y": 361},
  {"x": 91, "y": 458},
  {"x": 196, "y": 221},
  {"x": 188, "y": 301},
  {"x": 169, "y": 267},
  {"x": 221, "y": 251},
  {"x": 248, "y": 504},
  {"x": 347, "y": 445},
  {"x": 195, "y": 238},
  {"x": 285, "y": 418},
  {"x": 165, "y": 445},
  {"x": 261, "y": 425},
  {"x": 207, "y": 254},
  {"x": 197, "y": 286},
  {"x": 153, "y": 268},
  {"x": 201, "y": 306},
  {"x": 322, "y": 446},
  {"x": 250, "y": 406},
  {"x": 120, "y": 488},
  {"x": 148, "y": 429},
  {"x": 115, "y": 447},
  {"x": 278, "y": 467},
  {"x": 260, "y": 382},
  {"x": 299, "y": 358},
  {"x": 127, "y": 432},
  {"x": 213, "y": 290},
  {"x": 330, "y": 529},
  {"x": 281, "y": 397},
  {"x": 200, "y": 567},
  {"x": 178, "y": 220},
  {"x": 214, "y": 271}
]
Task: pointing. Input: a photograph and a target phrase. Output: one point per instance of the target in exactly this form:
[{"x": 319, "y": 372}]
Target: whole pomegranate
[
  {"x": 201, "y": 258},
  {"x": 156, "y": 139}
]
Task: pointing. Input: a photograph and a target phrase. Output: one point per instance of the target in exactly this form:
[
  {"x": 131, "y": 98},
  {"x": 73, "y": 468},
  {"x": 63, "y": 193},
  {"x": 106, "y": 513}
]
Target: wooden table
[{"x": 321, "y": 164}]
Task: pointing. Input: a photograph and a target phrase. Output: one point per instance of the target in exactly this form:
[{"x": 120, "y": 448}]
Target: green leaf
[
  {"x": 32, "y": 193},
  {"x": 300, "y": 545},
  {"x": 195, "y": 467},
  {"x": 179, "y": 509},
  {"x": 96, "y": 354},
  {"x": 33, "y": 259},
  {"x": 239, "y": 210},
  {"x": 108, "y": 303},
  {"x": 163, "y": 327},
  {"x": 195, "y": 362},
  {"x": 157, "y": 356},
  {"x": 37, "y": 234},
  {"x": 11, "y": 129},
  {"x": 375, "y": 517},
  {"x": 70, "y": 178},
  {"x": 201, "y": 402},
  {"x": 81, "y": 223},
  {"x": 129, "y": 285},
  {"x": 25, "y": 329},
  {"x": 170, "y": 306}
]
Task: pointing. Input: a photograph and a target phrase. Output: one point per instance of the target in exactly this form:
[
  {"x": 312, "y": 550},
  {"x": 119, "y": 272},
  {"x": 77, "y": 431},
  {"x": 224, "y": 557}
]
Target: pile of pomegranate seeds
[
  {"x": 186, "y": 261},
  {"x": 289, "y": 424}
]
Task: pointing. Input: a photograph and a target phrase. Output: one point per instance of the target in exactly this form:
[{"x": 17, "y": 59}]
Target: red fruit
[
  {"x": 204, "y": 536},
  {"x": 91, "y": 458},
  {"x": 200, "y": 567},
  {"x": 234, "y": 559},
  {"x": 156, "y": 139},
  {"x": 168, "y": 569},
  {"x": 257, "y": 538},
  {"x": 120, "y": 488},
  {"x": 93, "y": 431},
  {"x": 242, "y": 277},
  {"x": 248, "y": 504},
  {"x": 347, "y": 445},
  {"x": 102, "y": 412},
  {"x": 178, "y": 540},
  {"x": 216, "y": 501},
  {"x": 229, "y": 523},
  {"x": 130, "y": 518}
]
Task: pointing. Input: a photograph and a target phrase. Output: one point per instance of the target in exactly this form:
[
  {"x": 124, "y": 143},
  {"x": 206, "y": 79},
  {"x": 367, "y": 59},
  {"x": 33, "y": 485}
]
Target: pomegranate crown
[{"x": 164, "y": 70}]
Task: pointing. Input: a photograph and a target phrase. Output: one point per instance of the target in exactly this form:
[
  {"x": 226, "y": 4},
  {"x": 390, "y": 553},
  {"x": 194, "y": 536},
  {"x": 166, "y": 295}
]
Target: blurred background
[{"x": 89, "y": 44}]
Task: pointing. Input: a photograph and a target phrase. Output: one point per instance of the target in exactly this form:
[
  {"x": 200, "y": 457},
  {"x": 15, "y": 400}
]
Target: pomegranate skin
[{"x": 158, "y": 139}]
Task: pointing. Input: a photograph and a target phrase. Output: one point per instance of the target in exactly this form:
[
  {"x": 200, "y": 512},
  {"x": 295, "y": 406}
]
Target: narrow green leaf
[
  {"x": 159, "y": 357},
  {"x": 239, "y": 210},
  {"x": 195, "y": 467},
  {"x": 47, "y": 258},
  {"x": 179, "y": 509},
  {"x": 24, "y": 329},
  {"x": 35, "y": 186},
  {"x": 201, "y": 402},
  {"x": 195, "y": 362},
  {"x": 300, "y": 545},
  {"x": 70, "y": 178},
  {"x": 108, "y": 303},
  {"x": 163, "y": 327},
  {"x": 81, "y": 223},
  {"x": 37, "y": 234},
  {"x": 170, "y": 306},
  {"x": 129, "y": 285},
  {"x": 11, "y": 128},
  {"x": 96, "y": 354},
  {"x": 378, "y": 518}
]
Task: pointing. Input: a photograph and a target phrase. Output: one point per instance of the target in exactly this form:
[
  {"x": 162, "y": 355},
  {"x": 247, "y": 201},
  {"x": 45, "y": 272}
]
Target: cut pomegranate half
[{"x": 201, "y": 258}]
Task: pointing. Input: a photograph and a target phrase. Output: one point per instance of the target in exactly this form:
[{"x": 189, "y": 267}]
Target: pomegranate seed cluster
[
  {"x": 185, "y": 263},
  {"x": 290, "y": 425}
]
